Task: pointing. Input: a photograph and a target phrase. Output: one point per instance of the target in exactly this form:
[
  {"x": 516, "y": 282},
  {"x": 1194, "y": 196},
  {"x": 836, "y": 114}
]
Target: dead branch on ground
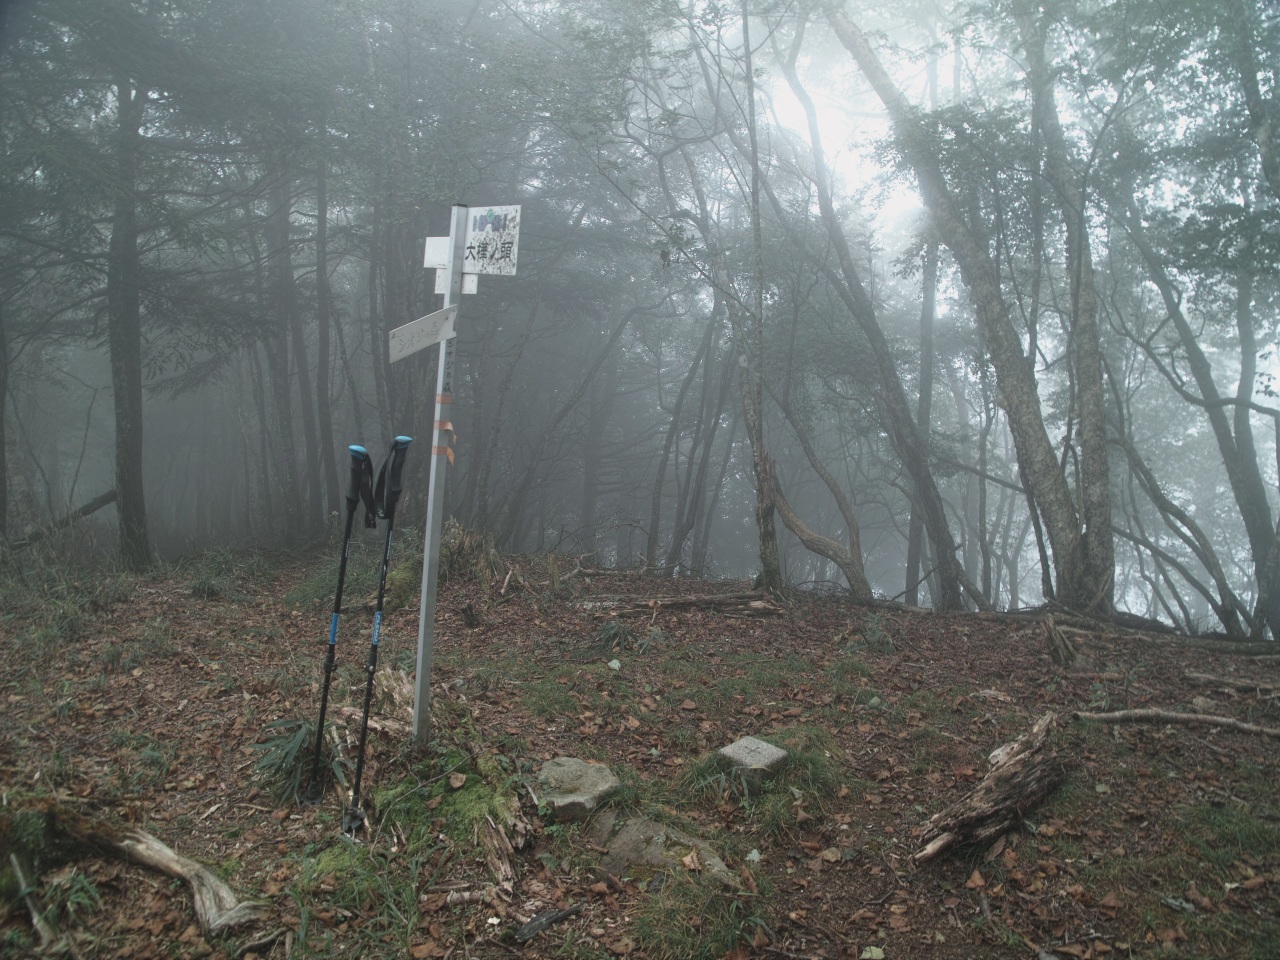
[
  {"x": 1235, "y": 683},
  {"x": 728, "y": 604},
  {"x": 1170, "y": 716}
]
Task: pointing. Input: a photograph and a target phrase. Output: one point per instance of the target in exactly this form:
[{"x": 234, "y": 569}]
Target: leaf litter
[{"x": 1164, "y": 842}]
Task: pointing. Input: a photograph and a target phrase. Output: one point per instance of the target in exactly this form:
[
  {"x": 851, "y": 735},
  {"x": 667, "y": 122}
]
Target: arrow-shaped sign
[{"x": 423, "y": 332}]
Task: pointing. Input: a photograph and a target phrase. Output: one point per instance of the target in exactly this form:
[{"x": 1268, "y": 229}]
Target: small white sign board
[
  {"x": 438, "y": 253},
  {"x": 470, "y": 281},
  {"x": 423, "y": 332},
  {"x": 492, "y": 238}
]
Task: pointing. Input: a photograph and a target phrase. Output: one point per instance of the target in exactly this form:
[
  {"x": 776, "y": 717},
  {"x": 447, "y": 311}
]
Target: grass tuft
[{"x": 688, "y": 916}]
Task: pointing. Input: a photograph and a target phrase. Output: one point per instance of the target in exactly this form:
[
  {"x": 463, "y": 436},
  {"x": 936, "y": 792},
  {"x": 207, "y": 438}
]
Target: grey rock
[
  {"x": 658, "y": 847},
  {"x": 573, "y": 788},
  {"x": 599, "y": 829},
  {"x": 753, "y": 760}
]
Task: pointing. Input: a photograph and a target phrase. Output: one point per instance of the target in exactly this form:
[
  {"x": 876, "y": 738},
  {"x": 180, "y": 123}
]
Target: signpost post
[{"x": 481, "y": 240}]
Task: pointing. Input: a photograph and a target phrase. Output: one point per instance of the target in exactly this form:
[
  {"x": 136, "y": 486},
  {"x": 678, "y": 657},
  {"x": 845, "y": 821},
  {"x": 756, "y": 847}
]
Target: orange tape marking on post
[
  {"x": 447, "y": 451},
  {"x": 444, "y": 398}
]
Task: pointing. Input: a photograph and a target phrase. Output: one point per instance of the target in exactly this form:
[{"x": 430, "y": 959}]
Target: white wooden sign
[
  {"x": 492, "y": 238},
  {"x": 423, "y": 332}
]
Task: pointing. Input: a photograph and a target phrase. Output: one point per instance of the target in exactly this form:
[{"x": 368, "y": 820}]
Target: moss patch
[{"x": 450, "y": 795}]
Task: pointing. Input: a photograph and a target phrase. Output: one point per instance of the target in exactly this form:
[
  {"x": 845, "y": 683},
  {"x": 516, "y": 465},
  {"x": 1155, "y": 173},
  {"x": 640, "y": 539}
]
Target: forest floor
[{"x": 156, "y": 707}]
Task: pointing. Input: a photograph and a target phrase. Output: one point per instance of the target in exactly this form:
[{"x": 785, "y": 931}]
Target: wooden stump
[{"x": 1023, "y": 773}]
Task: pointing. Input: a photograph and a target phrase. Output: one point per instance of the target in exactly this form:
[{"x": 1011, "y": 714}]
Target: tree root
[{"x": 44, "y": 834}]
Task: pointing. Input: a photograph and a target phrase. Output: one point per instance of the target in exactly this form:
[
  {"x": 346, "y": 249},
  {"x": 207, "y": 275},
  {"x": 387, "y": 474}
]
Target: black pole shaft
[
  {"x": 385, "y": 496},
  {"x": 356, "y": 818},
  {"x": 333, "y": 642}
]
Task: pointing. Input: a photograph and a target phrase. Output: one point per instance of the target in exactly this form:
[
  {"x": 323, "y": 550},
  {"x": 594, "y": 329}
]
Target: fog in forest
[{"x": 966, "y": 306}]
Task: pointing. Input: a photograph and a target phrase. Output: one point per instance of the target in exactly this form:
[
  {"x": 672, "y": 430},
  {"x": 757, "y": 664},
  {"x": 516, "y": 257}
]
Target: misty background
[{"x": 967, "y": 305}]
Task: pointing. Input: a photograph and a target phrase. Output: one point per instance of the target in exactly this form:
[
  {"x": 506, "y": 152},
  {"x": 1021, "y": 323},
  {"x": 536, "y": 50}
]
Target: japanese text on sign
[{"x": 491, "y": 243}]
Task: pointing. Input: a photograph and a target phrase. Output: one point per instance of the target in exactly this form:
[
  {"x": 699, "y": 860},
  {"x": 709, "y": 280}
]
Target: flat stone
[
  {"x": 573, "y": 788},
  {"x": 599, "y": 829},
  {"x": 754, "y": 760},
  {"x": 656, "y": 847}
]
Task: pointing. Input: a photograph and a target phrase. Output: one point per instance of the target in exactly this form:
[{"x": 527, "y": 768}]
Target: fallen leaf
[
  {"x": 1109, "y": 905},
  {"x": 871, "y": 953},
  {"x": 456, "y": 780},
  {"x": 976, "y": 881},
  {"x": 688, "y": 705},
  {"x": 692, "y": 862}
]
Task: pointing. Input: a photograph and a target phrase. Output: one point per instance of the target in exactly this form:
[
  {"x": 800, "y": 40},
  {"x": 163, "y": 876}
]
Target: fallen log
[
  {"x": 1172, "y": 716},
  {"x": 1234, "y": 683},
  {"x": 729, "y": 604},
  {"x": 43, "y": 533},
  {"x": 1023, "y": 773}
]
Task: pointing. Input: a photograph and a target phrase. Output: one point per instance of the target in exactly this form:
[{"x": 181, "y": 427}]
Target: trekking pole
[
  {"x": 359, "y": 487},
  {"x": 385, "y": 496}
]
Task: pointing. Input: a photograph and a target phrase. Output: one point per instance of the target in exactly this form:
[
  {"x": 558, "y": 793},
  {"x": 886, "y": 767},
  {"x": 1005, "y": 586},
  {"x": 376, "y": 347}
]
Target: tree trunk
[
  {"x": 671, "y": 441},
  {"x": 324, "y": 321},
  {"x": 124, "y": 329},
  {"x": 4, "y": 456},
  {"x": 489, "y": 453},
  {"x": 1016, "y": 382},
  {"x": 515, "y": 510},
  {"x": 602, "y": 409},
  {"x": 286, "y": 304},
  {"x": 900, "y": 424},
  {"x": 751, "y": 381},
  {"x": 1243, "y": 474},
  {"x": 924, "y": 411},
  {"x": 264, "y": 442},
  {"x": 700, "y": 452},
  {"x": 377, "y": 328},
  {"x": 1085, "y": 349},
  {"x": 1264, "y": 111},
  {"x": 706, "y": 519}
]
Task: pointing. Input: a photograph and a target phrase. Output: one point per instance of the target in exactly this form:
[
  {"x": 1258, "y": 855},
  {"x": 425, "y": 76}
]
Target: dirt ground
[{"x": 1164, "y": 840}]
